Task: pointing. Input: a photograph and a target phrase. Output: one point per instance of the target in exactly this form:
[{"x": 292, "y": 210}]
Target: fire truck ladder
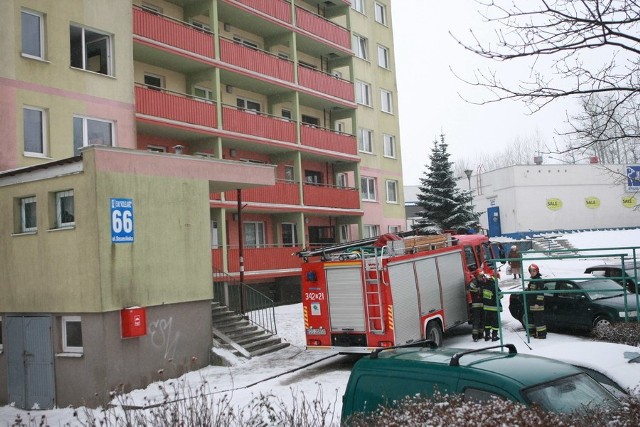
[{"x": 372, "y": 273}]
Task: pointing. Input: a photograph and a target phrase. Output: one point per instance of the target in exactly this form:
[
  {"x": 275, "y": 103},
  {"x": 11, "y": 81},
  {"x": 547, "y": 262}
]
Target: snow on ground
[{"x": 293, "y": 372}]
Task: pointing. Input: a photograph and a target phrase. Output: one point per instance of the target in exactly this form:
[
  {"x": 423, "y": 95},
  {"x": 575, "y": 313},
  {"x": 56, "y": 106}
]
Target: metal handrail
[{"x": 259, "y": 309}]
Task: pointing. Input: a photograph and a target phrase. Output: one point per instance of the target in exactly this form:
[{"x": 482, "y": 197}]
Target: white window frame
[
  {"x": 389, "y": 146},
  {"x": 60, "y": 221},
  {"x": 154, "y": 76},
  {"x": 386, "y": 101},
  {"x": 289, "y": 173},
  {"x": 358, "y": 5},
  {"x": 201, "y": 25},
  {"x": 345, "y": 233},
  {"x": 43, "y": 131},
  {"x": 371, "y": 230},
  {"x": 23, "y": 217},
  {"x": 342, "y": 180},
  {"x": 365, "y": 140},
  {"x": 245, "y": 105},
  {"x": 40, "y": 36},
  {"x": 86, "y": 122},
  {"x": 258, "y": 234},
  {"x": 363, "y": 93},
  {"x": 65, "y": 347},
  {"x": 208, "y": 94},
  {"x": 380, "y": 13},
  {"x": 394, "y": 229},
  {"x": 246, "y": 42},
  {"x": 360, "y": 47},
  {"x": 109, "y": 50},
  {"x": 150, "y": 7},
  {"x": 392, "y": 191},
  {"x": 383, "y": 57},
  {"x": 368, "y": 189},
  {"x": 215, "y": 241}
]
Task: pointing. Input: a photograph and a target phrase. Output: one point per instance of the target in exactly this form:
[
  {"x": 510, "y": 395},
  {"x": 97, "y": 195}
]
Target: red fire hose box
[{"x": 134, "y": 322}]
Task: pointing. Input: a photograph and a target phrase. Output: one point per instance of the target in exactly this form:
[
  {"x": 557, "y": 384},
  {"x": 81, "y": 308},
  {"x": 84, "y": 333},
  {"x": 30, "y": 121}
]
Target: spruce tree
[{"x": 444, "y": 206}]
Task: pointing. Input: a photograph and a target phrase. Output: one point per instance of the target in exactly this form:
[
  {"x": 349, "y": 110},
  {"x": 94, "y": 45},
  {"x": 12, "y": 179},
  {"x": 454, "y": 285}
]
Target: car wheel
[
  {"x": 434, "y": 332},
  {"x": 602, "y": 321}
]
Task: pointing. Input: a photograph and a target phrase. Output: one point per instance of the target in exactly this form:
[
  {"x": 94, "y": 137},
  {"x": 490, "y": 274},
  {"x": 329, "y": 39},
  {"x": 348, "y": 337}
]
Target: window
[
  {"x": 371, "y": 231},
  {"x": 65, "y": 209},
  {"x": 366, "y": 140},
  {"x": 392, "y": 191},
  {"x": 360, "y": 46},
  {"x": 289, "y": 234},
  {"x": 363, "y": 93},
  {"x": 28, "y": 219},
  {"x": 368, "y": 188},
  {"x": 289, "y": 174},
  {"x": 341, "y": 180},
  {"x": 286, "y": 113},
  {"x": 88, "y": 131},
  {"x": 72, "y": 334},
  {"x": 386, "y": 101},
  {"x": 383, "y": 57},
  {"x": 339, "y": 127},
  {"x": 215, "y": 242},
  {"x": 389, "y": 145},
  {"x": 35, "y": 131},
  {"x": 248, "y": 105},
  {"x": 380, "y": 13},
  {"x": 394, "y": 229},
  {"x": 203, "y": 93},
  {"x": 149, "y": 7},
  {"x": 153, "y": 81},
  {"x": 248, "y": 43},
  {"x": 156, "y": 148},
  {"x": 313, "y": 177},
  {"x": 310, "y": 120},
  {"x": 90, "y": 50},
  {"x": 254, "y": 234},
  {"x": 201, "y": 25},
  {"x": 345, "y": 234},
  {"x": 358, "y": 5},
  {"x": 32, "y": 34}
]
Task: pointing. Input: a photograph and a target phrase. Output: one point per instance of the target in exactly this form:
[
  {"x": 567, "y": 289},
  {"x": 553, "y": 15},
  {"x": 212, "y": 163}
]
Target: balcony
[
  {"x": 326, "y": 29},
  {"x": 331, "y": 197},
  {"x": 256, "y": 60},
  {"x": 283, "y": 193},
  {"x": 258, "y": 259},
  {"x": 249, "y": 122},
  {"x": 174, "y": 106},
  {"x": 326, "y": 139},
  {"x": 278, "y": 9},
  {"x": 325, "y": 83},
  {"x": 171, "y": 32}
]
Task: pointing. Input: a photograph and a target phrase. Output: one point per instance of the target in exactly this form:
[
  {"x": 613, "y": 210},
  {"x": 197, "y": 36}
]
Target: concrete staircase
[
  {"x": 235, "y": 333},
  {"x": 551, "y": 245}
]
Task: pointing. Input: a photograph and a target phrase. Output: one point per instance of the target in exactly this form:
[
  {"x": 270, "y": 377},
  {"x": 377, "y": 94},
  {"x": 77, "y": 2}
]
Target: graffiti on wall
[{"x": 163, "y": 337}]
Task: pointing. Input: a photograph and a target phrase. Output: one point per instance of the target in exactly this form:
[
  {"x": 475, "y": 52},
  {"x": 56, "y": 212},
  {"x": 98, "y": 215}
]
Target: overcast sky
[{"x": 429, "y": 94}]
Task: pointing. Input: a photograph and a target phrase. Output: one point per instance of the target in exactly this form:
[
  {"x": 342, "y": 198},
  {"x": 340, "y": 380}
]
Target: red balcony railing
[
  {"x": 325, "y": 83},
  {"x": 276, "y": 8},
  {"x": 256, "y": 60},
  {"x": 251, "y": 123},
  {"x": 324, "y": 28},
  {"x": 174, "y": 106},
  {"x": 331, "y": 197},
  {"x": 285, "y": 193},
  {"x": 328, "y": 140},
  {"x": 258, "y": 259},
  {"x": 172, "y": 33}
]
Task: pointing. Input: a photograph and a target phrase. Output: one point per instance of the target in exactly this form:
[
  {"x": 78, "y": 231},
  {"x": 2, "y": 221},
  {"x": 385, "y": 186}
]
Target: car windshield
[
  {"x": 570, "y": 394},
  {"x": 602, "y": 288}
]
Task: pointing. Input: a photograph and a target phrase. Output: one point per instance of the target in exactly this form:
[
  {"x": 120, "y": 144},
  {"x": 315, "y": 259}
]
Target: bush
[{"x": 619, "y": 333}]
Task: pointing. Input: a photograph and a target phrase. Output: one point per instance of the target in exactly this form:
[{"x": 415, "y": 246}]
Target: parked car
[
  {"x": 391, "y": 374},
  {"x": 580, "y": 309},
  {"x": 615, "y": 272}
]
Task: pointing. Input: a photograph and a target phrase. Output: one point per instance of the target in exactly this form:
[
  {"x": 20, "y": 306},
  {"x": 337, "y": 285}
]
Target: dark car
[
  {"x": 615, "y": 272},
  {"x": 603, "y": 304}
]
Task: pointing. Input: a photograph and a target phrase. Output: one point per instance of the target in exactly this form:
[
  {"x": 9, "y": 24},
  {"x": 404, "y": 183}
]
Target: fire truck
[{"x": 389, "y": 290}]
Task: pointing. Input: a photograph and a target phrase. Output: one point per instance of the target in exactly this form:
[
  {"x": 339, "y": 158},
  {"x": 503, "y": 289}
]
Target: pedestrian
[
  {"x": 501, "y": 253},
  {"x": 515, "y": 264},
  {"x": 490, "y": 305},
  {"x": 537, "y": 326},
  {"x": 477, "y": 308}
]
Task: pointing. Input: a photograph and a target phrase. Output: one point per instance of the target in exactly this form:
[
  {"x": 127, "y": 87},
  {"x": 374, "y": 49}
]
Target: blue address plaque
[
  {"x": 633, "y": 178},
  {"x": 122, "y": 220}
]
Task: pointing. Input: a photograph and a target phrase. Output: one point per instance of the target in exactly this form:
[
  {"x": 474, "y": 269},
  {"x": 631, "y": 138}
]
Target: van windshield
[{"x": 570, "y": 394}]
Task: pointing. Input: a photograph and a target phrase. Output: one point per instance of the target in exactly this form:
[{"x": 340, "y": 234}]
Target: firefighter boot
[
  {"x": 495, "y": 337},
  {"x": 487, "y": 335}
]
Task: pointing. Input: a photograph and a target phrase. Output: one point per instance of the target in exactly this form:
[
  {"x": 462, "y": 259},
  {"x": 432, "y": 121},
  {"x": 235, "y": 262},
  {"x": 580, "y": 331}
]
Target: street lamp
[{"x": 468, "y": 172}]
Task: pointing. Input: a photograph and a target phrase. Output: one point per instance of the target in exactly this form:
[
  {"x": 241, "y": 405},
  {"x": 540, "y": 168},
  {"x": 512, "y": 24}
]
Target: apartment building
[{"x": 306, "y": 86}]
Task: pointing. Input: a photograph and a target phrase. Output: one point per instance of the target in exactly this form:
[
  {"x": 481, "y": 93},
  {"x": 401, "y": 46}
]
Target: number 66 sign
[{"x": 121, "y": 220}]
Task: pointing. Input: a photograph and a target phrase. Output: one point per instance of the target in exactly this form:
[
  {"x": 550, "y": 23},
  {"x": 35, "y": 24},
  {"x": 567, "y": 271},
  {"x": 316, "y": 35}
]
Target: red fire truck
[{"x": 389, "y": 290}]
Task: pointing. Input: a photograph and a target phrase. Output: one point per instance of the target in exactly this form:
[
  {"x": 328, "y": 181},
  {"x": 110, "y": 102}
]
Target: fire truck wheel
[{"x": 434, "y": 332}]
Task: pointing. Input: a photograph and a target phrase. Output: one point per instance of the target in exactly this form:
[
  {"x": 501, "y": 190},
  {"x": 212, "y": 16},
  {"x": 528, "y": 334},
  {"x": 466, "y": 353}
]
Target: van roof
[{"x": 527, "y": 370}]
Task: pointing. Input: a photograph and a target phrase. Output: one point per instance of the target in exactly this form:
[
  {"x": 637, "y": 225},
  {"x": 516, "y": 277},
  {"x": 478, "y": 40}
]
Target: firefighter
[
  {"x": 537, "y": 327},
  {"x": 491, "y": 307},
  {"x": 477, "y": 309}
]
